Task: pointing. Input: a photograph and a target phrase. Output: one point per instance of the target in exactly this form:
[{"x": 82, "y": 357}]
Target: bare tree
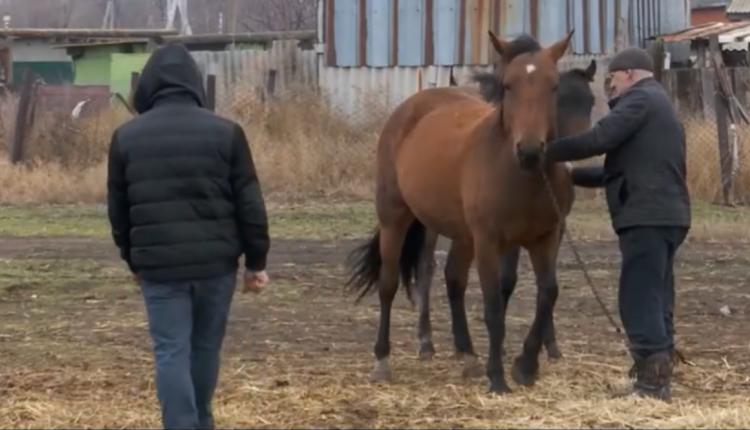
[
  {"x": 276, "y": 15},
  {"x": 206, "y": 16}
]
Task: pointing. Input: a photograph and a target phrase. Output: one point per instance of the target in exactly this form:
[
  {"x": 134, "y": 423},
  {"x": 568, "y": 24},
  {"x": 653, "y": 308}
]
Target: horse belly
[{"x": 428, "y": 171}]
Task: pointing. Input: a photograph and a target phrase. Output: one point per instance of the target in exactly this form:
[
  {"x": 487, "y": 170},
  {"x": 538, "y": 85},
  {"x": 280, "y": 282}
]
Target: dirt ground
[{"x": 75, "y": 352}]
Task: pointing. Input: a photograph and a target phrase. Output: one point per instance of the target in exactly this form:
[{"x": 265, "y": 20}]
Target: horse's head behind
[
  {"x": 528, "y": 82},
  {"x": 575, "y": 100}
]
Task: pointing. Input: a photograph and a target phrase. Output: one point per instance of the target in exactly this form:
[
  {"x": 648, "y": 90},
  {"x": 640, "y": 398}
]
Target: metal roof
[
  {"x": 705, "y": 4},
  {"x": 704, "y": 31},
  {"x": 739, "y": 6},
  {"x": 91, "y": 44}
]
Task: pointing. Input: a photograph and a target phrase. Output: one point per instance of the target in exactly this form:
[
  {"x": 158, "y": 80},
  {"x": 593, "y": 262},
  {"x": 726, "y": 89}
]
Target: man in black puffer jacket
[{"x": 184, "y": 204}]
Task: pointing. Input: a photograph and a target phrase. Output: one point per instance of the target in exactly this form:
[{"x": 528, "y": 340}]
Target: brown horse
[
  {"x": 575, "y": 102},
  {"x": 475, "y": 173}
]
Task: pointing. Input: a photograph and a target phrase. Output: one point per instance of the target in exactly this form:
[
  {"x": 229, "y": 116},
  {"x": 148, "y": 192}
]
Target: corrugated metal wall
[
  {"x": 355, "y": 91},
  {"x": 250, "y": 67},
  {"x": 386, "y": 33}
]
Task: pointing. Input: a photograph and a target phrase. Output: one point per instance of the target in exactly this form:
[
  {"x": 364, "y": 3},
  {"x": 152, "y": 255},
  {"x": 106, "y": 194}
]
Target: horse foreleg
[
  {"x": 508, "y": 275},
  {"x": 456, "y": 273},
  {"x": 422, "y": 286},
  {"x": 391, "y": 241},
  {"x": 543, "y": 255},
  {"x": 486, "y": 254}
]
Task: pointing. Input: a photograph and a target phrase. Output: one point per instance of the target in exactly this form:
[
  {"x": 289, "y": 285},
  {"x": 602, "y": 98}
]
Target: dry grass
[{"x": 302, "y": 149}]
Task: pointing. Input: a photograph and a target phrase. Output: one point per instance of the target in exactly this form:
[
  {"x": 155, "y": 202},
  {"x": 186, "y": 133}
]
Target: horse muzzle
[{"x": 530, "y": 154}]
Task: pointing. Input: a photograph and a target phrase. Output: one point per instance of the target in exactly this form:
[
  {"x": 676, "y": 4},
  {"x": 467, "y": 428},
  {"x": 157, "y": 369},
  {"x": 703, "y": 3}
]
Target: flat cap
[{"x": 631, "y": 59}]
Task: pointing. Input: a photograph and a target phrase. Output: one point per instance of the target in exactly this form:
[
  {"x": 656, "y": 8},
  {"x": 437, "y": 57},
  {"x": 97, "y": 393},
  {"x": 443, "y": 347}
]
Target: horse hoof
[
  {"x": 472, "y": 367},
  {"x": 426, "y": 351},
  {"x": 500, "y": 388},
  {"x": 381, "y": 372},
  {"x": 380, "y": 376},
  {"x": 524, "y": 372},
  {"x": 553, "y": 352}
]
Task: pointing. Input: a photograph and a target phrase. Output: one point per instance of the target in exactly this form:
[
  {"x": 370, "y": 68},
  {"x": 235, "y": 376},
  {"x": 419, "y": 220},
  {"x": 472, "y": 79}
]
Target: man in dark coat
[
  {"x": 184, "y": 204},
  {"x": 644, "y": 178}
]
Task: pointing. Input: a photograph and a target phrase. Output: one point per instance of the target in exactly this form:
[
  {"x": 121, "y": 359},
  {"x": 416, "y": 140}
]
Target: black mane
[{"x": 523, "y": 44}]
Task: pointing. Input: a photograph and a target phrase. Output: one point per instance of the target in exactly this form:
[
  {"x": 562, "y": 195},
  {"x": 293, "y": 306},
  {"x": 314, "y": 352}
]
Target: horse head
[{"x": 527, "y": 82}]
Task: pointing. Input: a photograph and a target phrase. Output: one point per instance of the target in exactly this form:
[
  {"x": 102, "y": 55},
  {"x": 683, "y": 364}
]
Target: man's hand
[
  {"x": 569, "y": 167},
  {"x": 255, "y": 282},
  {"x": 137, "y": 280}
]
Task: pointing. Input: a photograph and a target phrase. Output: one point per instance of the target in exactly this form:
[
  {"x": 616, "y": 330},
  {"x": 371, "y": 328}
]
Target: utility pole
[
  {"x": 181, "y": 6},
  {"x": 110, "y": 15}
]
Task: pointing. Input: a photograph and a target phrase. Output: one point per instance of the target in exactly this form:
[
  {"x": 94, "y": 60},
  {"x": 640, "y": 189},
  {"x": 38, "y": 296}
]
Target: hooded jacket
[{"x": 184, "y": 199}]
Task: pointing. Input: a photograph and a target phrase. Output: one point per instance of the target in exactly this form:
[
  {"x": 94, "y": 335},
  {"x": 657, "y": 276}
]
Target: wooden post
[
  {"x": 722, "y": 126},
  {"x": 271, "y": 82},
  {"x": 739, "y": 83},
  {"x": 134, "y": 77},
  {"x": 211, "y": 92},
  {"x": 707, "y": 85},
  {"x": 22, "y": 116},
  {"x": 658, "y": 53}
]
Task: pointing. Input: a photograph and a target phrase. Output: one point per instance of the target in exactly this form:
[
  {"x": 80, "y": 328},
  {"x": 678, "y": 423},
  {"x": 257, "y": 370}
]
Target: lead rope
[{"x": 582, "y": 266}]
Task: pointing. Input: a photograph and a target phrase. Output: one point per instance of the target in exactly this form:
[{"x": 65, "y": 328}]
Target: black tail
[{"x": 364, "y": 262}]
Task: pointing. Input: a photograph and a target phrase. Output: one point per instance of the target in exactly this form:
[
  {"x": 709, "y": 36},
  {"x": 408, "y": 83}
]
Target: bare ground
[{"x": 73, "y": 338}]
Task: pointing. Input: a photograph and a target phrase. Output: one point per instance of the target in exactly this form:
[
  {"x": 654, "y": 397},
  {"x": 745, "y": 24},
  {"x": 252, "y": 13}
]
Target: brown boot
[{"x": 653, "y": 377}]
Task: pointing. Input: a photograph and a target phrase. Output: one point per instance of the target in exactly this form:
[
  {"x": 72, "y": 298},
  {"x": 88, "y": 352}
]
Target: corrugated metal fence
[
  {"x": 354, "y": 91},
  {"x": 387, "y": 33},
  {"x": 247, "y": 70}
]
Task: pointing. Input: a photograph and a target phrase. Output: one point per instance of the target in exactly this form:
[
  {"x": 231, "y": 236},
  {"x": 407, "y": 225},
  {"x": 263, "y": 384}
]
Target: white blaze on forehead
[{"x": 530, "y": 68}]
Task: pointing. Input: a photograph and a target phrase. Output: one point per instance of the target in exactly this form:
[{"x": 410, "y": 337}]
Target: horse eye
[
  {"x": 554, "y": 89},
  {"x": 506, "y": 87}
]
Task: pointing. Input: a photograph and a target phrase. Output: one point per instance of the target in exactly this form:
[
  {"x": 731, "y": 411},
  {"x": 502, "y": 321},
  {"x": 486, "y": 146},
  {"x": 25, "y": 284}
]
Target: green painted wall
[
  {"x": 91, "y": 70},
  {"x": 53, "y": 72},
  {"x": 121, "y": 67},
  {"x": 94, "y": 67}
]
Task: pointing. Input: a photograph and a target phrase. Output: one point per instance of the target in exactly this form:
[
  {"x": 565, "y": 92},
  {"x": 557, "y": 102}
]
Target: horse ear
[
  {"x": 502, "y": 47},
  {"x": 558, "y": 50},
  {"x": 591, "y": 71}
]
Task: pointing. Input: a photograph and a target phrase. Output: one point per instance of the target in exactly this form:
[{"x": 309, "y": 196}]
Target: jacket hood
[{"x": 170, "y": 73}]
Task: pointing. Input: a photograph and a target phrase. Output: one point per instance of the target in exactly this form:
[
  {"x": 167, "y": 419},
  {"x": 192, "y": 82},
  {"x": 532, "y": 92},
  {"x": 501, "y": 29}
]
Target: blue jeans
[{"x": 187, "y": 322}]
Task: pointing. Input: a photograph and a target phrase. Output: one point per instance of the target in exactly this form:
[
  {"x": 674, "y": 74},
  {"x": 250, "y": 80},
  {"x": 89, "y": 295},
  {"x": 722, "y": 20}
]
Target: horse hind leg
[
  {"x": 422, "y": 286},
  {"x": 456, "y": 272},
  {"x": 543, "y": 255},
  {"x": 394, "y": 248}
]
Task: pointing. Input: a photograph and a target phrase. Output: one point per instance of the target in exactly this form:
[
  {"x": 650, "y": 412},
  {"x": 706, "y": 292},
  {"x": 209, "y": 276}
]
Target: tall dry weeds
[{"x": 301, "y": 147}]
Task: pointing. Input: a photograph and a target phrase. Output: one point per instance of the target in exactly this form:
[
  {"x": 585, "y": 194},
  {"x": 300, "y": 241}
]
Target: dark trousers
[
  {"x": 187, "y": 322},
  {"x": 647, "y": 294}
]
